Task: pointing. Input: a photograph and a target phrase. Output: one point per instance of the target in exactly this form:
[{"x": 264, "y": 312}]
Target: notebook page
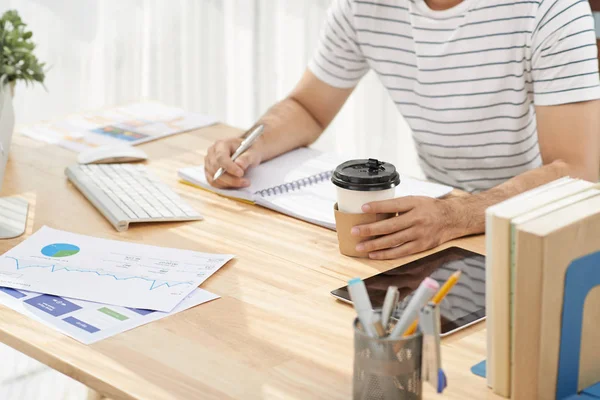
[
  {"x": 297, "y": 164},
  {"x": 311, "y": 203},
  {"x": 314, "y": 164}
]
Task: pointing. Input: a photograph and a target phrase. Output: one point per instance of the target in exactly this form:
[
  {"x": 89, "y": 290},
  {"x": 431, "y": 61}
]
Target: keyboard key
[
  {"x": 152, "y": 212},
  {"x": 164, "y": 212},
  {"x": 139, "y": 212},
  {"x": 126, "y": 209}
]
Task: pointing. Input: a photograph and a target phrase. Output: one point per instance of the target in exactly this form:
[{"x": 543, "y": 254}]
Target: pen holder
[{"x": 387, "y": 368}]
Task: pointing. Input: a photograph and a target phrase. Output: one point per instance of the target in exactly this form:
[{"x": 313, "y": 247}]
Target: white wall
[{"x": 230, "y": 58}]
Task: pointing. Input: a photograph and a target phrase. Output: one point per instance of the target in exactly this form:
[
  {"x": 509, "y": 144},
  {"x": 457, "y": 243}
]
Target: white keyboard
[{"x": 126, "y": 193}]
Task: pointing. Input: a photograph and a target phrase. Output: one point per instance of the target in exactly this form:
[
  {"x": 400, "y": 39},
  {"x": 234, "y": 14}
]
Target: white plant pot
[
  {"x": 11, "y": 224},
  {"x": 7, "y": 125}
]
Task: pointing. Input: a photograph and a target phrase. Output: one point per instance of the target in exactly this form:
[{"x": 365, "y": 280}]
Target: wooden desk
[{"x": 275, "y": 333}]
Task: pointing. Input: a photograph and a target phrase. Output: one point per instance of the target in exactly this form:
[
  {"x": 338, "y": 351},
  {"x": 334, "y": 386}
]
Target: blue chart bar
[
  {"x": 13, "y": 292},
  {"x": 53, "y": 305},
  {"x": 80, "y": 324},
  {"x": 140, "y": 311}
]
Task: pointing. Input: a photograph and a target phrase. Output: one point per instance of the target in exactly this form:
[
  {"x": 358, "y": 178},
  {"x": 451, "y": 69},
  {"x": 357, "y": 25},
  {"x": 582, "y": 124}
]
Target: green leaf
[{"x": 17, "y": 61}]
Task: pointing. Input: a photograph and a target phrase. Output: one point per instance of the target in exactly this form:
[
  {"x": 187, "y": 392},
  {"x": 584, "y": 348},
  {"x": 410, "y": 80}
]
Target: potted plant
[{"x": 17, "y": 61}]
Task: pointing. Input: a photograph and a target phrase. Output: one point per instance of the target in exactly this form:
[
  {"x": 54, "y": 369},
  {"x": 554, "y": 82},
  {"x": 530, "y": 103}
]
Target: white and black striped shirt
[{"x": 466, "y": 79}]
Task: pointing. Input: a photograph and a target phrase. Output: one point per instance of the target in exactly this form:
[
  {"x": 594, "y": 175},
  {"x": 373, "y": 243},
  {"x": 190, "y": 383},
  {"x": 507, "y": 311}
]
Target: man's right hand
[
  {"x": 296, "y": 121},
  {"x": 219, "y": 156}
]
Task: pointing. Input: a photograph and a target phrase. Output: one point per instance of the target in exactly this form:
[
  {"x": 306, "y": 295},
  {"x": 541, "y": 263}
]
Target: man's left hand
[{"x": 421, "y": 224}]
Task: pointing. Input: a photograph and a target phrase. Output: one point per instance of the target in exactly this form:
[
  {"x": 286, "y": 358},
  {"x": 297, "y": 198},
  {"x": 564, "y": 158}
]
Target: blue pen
[{"x": 442, "y": 381}]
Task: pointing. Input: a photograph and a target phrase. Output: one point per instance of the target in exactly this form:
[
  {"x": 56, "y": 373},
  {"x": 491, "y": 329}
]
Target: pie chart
[{"x": 60, "y": 250}]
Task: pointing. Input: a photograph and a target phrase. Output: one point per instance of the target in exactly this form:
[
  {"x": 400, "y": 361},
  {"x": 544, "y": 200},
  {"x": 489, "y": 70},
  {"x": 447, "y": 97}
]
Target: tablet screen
[{"x": 463, "y": 305}]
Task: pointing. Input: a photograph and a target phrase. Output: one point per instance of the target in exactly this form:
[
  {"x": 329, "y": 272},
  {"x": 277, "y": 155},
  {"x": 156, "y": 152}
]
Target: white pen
[
  {"x": 245, "y": 145},
  {"x": 389, "y": 304},
  {"x": 362, "y": 304},
  {"x": 422, "y": 295}
]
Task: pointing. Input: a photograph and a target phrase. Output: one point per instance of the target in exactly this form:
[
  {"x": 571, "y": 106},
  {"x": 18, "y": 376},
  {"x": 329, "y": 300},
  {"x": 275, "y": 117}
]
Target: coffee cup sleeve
[{"x": 344, "y": 222}]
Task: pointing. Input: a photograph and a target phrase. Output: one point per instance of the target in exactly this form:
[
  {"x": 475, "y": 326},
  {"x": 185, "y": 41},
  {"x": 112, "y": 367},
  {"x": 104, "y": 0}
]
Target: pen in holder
[{"x": 387, "y": 368}]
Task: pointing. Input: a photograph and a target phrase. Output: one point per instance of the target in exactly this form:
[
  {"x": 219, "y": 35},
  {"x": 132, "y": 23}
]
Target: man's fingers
[
  {"x": 225, "y": 162},
  {"x": 387, "y": 241},
  {"x": 247, "y": 160},
  {"x": 227, "y": 181},
  {"x": 384, "y": 227},
  {"x": 397, "y": 252},
  {"x": 219, "y": 156},
  {"x": 223, "y": 158},
  {"x": 399, "y": 205},
  {"x": 233, "y": 144},
  {"x": 231, "y": 181},
  {"x": 210, "y": 168}
]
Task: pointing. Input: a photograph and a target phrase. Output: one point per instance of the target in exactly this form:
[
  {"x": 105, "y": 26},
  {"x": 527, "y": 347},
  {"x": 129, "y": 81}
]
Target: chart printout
[
  {"x": 85, "y": 321},
  {"x": 106, "y": 271}
]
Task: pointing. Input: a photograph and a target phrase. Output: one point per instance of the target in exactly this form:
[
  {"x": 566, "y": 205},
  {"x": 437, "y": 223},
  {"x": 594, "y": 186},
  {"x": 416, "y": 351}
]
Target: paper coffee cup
[
  {"x": 344, "y": 222},
  {"x": 359, "y": 182},
  {"x": 362, "y": 181},
  {"x": 351, "y": 201}
]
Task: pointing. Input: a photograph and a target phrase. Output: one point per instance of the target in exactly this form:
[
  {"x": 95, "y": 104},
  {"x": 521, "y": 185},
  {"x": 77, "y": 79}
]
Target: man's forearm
[
  {"x": 288, "y": 125},
  {"x": 467, "y": 214}
]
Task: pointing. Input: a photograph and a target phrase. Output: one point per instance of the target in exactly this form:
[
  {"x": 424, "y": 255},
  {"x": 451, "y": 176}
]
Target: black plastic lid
[{"x": 365, "y": 175}]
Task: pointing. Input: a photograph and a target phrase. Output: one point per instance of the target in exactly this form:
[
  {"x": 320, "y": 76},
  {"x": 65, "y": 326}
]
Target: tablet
[{"x": 463, "y": 306}]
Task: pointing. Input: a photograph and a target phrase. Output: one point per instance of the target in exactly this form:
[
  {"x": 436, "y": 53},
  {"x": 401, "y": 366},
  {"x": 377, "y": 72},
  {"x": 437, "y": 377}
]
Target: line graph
[
  {"x": 155, "y": 283},
  {"x": 106, "y": 271}
]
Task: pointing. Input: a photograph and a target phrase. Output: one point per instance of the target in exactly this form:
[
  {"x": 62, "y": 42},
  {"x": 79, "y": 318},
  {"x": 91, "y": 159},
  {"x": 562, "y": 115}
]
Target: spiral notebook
[{"x": 298, "y": 184}]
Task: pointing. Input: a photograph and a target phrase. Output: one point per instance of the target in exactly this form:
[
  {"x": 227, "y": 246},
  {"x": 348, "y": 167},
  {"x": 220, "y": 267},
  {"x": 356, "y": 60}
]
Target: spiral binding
[{"x": 295, "y": 185}]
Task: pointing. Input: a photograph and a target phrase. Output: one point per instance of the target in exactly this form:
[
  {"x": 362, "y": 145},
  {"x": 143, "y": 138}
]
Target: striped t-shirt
[{"x": 466, "y": 79}]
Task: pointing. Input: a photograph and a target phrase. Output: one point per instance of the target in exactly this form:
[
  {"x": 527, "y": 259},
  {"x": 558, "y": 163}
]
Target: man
[{"x": 501, "y": 96}]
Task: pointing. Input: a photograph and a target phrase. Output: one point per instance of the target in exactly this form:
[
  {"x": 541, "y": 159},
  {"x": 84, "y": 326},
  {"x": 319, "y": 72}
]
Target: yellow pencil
[{"x": 437, "y": 299}]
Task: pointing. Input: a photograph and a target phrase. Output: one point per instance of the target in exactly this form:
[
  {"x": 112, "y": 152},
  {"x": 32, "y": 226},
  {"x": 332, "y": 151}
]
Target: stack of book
[{"x": 531, "y": 240}]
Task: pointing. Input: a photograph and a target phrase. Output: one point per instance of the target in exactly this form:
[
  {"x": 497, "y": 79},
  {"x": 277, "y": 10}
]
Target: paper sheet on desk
[
  {"x": 106, "y": 271},
  {"x": 313, "y": 204},
  {"x": 86, "y": 321},
  {"x": 130, "y": 124}
]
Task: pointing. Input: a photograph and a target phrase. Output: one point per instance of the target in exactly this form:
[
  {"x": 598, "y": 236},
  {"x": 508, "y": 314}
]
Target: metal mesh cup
[{"x": 387, "y": 369}]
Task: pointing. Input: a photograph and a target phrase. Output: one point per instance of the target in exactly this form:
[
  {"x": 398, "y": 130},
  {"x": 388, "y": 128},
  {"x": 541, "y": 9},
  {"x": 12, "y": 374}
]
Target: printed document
[
  {"x": 85, "y": 321},
  {"x": 131, "y": 124},
  {"x": 106, "y": 271}
]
